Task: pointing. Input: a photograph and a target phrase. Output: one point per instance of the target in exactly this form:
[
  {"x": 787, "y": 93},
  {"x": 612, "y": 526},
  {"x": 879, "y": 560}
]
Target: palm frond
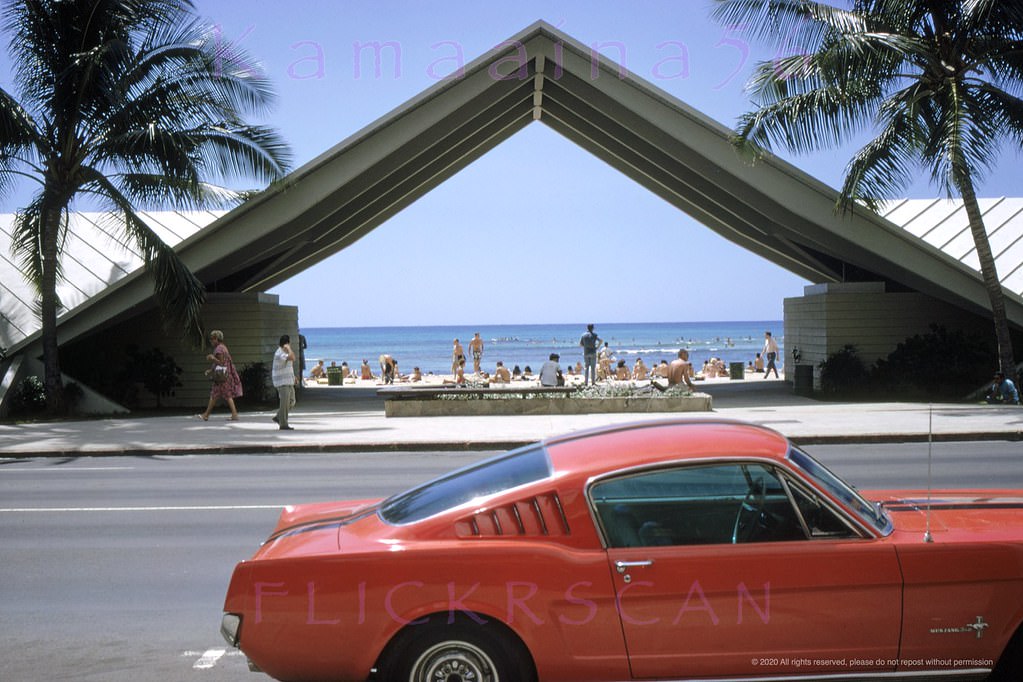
[
  {"x": 1006, "y": 108},
  {"x": 28, "y": 232},
  {"x": 882, "y": 168},
  {"x": 20, "y": 142},
  {"x": 806, "y": 122},
  {"x": 179, "y": 293},
  {"x": 156, "y": 190},
  {"x": 253, "y": 151},
  {"x": 787, "y": 23}
]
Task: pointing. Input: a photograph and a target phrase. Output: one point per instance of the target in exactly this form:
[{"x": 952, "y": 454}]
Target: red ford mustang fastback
[{"x": 672, "y": 550}]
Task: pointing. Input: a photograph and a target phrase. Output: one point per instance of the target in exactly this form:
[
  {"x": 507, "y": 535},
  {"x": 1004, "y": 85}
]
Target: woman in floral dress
[{"x": 231, "y": 386}]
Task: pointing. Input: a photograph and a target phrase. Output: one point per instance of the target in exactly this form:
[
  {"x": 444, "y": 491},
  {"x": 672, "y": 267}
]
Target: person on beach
[
  {"x": 416, "y": 375},
  {"x": 398, "y": 376},
  {"x": 318, "y": 372},
  {"x": 459, "y": 378},
  {"x": 622, "y": 372},
  {"x": 501, "y": 374},
  {"x": 639, "y": 370},
  {"x": 604, "y": 360},
  {"x": 680, "y": 371},
  {"x": 283, "y": 376},
  {"x": 550, "y": 372},
  {"x": 227, "y": 385},
  {"x": 365, "y": 372},
  {"x": 758, "y": 364},
  {"x": 457, "y": 356},
  {"x": 771, "y": 353},
  {"x": 476, "y": 348},
  {"x": 589, "y": 342},
  {"x": 388, "y": 368}
]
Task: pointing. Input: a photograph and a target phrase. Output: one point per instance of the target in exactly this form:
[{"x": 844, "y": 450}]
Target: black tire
[
  {"x": 461, "y": 651},
  {"x": 1010, "y": 665}
]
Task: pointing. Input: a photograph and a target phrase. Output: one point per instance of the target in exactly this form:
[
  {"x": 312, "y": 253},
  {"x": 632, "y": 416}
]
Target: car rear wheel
[
  {"x": 457, "y": 653},
  {"x": 1010, "y": 665}
]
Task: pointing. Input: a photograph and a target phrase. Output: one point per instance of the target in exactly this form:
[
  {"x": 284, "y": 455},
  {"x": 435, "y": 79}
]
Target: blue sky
[{"x": 538, "y": 230}]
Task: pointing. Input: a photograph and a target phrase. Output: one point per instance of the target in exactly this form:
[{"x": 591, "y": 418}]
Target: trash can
[
  {"x": 803, "y": 384},
  {"x": 736, "y": 370},
  {"x": 334, "y": 376}
]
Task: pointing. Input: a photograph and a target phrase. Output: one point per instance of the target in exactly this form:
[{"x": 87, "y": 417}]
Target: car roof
[{"x": 639, "y": 444}]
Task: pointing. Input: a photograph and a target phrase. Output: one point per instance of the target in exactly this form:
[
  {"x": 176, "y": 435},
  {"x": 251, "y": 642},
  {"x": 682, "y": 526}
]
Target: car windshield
[
  {"x": 871, "y": 514},
  {"x": 494, "y": 475}
]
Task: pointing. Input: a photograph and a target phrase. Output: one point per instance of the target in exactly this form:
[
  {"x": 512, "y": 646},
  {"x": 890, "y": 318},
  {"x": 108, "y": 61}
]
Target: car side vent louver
[{"x": 541, "y": 515}]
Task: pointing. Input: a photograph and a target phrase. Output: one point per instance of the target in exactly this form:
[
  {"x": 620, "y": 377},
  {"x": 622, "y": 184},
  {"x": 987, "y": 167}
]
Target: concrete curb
[{"x": 463, "y": 446}]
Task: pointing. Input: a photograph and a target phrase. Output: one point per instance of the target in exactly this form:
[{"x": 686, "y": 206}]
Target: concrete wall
[
  {"x": 829, "y": 316},
  {"x": 252, "y": 323}
]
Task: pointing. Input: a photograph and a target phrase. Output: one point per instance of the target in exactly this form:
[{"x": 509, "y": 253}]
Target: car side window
[{"x": 696, "y": 505}]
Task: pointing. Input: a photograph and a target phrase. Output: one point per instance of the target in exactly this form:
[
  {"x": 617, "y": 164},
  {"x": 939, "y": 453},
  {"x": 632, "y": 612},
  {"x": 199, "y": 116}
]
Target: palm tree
[
  {"x": 937, "y": 80},
  {"x": 124, "y": 105}
]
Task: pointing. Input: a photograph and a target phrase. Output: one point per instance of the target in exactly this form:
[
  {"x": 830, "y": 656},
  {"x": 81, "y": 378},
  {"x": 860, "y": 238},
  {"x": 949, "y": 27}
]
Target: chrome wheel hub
[{"x": 454, "y": 662}]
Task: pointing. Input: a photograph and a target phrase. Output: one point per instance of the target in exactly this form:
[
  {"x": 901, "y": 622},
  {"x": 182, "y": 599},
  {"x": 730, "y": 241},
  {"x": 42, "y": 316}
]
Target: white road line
[
  {"x": 240, "y": 507},
  {"x": 209, "y": 659},
  {"x": 63, "y": 470}
]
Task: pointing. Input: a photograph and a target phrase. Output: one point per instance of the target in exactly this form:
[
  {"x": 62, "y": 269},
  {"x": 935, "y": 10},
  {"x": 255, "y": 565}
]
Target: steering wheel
[{"x": 750, "y": 512}]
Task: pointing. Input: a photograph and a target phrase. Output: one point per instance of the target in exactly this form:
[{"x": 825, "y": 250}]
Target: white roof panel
[
  {"x": 944, "y": 225},
  {"x": 95, "y": 256}
]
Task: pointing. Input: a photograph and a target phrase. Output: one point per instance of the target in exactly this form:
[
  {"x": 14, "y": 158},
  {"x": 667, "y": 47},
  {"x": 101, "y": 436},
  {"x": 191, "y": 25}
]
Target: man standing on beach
[
  {"x": 457, "y": 357},
  {"x": 388, "y": 368},
  {"x": 680, "y": 371},
  {"x": 589, "y": 342},
  {"x": 476, "y": 348},
  {"x": 283, "y": 375},
  {"x": 771, "y": 353}
]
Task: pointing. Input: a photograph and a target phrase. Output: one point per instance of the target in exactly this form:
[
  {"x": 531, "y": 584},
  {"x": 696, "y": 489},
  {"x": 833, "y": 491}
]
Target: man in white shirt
[{"x": 283, "y": 375}]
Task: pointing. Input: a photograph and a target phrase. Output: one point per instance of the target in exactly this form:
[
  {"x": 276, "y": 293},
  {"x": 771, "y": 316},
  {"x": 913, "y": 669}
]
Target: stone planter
[{"x": 439, "y": 407}]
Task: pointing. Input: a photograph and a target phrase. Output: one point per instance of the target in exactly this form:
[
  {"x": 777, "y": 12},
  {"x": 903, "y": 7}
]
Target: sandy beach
[{"x": 570, "y": 380}]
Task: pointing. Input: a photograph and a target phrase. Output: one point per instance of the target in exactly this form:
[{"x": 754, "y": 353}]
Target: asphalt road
[{"x": 115, "y": 568}]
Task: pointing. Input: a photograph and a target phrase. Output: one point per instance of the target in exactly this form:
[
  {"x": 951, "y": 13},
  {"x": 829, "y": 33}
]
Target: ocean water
[{"x": 429, "y": 348}]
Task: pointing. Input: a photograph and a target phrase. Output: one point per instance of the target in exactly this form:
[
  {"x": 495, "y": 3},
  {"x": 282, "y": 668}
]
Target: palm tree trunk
[
  {"x": 1006, "y": 358},
  {"x": 54, "y": 386}
]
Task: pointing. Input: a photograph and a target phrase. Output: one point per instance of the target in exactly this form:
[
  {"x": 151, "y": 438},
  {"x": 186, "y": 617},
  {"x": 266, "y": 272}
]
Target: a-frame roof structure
[{"x": 542, "y": 75}]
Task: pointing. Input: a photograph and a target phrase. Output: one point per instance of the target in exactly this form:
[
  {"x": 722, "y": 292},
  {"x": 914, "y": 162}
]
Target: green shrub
[
  {"x": 157, "y": 372},
  {"x": 255, "y": 381},
  {"x": 28, "y": 397},
  {"x": 844, "y": 372},
  {"x": 939, "y": 364}
]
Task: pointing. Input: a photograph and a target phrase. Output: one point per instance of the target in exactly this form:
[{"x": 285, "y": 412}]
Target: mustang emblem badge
[{"x": 979, "y": 626}]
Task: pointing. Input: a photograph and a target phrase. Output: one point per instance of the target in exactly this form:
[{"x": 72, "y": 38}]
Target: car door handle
[{"x": 621, "y": 566}]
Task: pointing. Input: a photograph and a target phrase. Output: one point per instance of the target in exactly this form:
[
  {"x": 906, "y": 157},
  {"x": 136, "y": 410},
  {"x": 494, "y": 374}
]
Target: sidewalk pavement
[{"x": 334, "y": 419}]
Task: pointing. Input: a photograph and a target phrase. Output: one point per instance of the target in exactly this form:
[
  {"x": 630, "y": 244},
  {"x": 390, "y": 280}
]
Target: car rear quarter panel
[{"x": 330, "y": 617}]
